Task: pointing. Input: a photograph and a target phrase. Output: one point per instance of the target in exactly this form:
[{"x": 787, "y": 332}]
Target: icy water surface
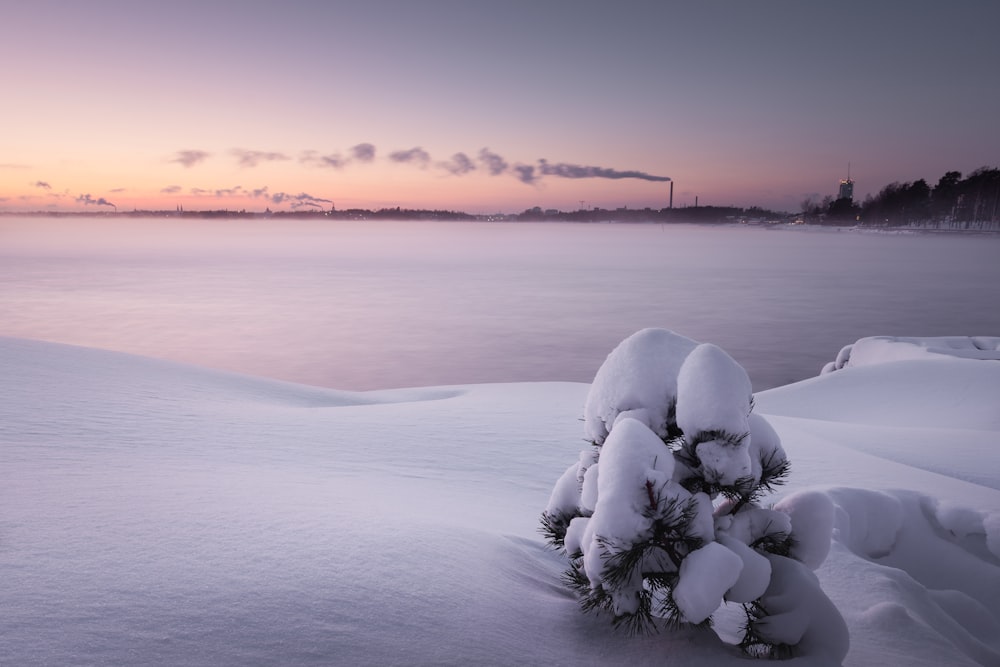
[{"x": 362, "y": 305}]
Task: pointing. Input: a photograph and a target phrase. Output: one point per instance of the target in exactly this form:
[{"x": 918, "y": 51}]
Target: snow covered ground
[{"x": 153, "y": 513}]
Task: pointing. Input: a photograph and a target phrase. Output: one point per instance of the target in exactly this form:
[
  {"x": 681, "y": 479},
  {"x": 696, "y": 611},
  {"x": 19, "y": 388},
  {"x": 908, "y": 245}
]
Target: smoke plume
[
  {"x": 88, "y": 200},
  {"x": 564, "y": 170}
]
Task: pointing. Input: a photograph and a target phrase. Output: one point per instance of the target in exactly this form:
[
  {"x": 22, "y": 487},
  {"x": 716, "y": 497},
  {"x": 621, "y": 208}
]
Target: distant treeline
[
  {"x": 954, "y": 203},
  {"x": 967, "y": 201},
  {"x": 536, "y": 214}
]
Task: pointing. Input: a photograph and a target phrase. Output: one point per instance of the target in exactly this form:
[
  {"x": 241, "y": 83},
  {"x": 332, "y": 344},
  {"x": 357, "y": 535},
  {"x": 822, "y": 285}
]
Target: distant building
[{"x": 846, "y": 187}]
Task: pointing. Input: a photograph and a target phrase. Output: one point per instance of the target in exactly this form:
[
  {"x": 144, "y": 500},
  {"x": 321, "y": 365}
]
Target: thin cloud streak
[
  {"x": 459, "y": 164},
  {"x": 415, "y": 155},
  {"x": 190, "y": 158},
  {"x": 251, "y": 159},
  {"x": 495, "y": 164},
  {"x": 43, "y": 185},
  {"x": 363, "y": 153},
  {"x": 331, "y": 161}
]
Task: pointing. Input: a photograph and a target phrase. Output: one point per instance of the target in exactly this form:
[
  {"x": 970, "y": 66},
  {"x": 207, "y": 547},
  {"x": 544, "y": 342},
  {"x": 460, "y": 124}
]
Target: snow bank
[
  {"x": 942, "y": 393},
  {"x": 153, "y": 513},
  {"x": 882, "y": 349}
]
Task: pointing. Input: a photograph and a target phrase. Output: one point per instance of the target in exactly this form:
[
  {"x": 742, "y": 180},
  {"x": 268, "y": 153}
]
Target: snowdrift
[
  {"x": 880, "y": 349},
  {"x": 153, "y": 513}
]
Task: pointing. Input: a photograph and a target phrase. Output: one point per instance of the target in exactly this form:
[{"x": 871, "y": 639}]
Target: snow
[
  {"x": 633, "y": 459},
  {"x": 705, "y": 576},
  {"x": 881, "y": 349},
  {"x": 811, "y": 514},
  {"x": 639, "y": 376},
  {"x": 153, "y": 513},
  {"x": 799, "y": 614},
  {"x": 754, "y": 574},
  {"x": 713, "y": 409}
]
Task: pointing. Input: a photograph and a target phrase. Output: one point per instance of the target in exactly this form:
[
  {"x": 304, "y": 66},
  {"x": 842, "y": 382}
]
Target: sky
[{"x": 487, "y": 106}]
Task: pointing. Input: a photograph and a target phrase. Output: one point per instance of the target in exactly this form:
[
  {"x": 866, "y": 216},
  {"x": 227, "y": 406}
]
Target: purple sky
[{"x": 488, "y": 106}]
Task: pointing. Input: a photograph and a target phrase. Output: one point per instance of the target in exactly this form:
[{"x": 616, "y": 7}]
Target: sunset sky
[{"x": 487, "y": 106}]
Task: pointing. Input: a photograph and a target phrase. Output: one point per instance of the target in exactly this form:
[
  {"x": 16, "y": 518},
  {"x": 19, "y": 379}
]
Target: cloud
[
  {"x": 116, "y": 190},
  {"x": 247, "y": 158},
  {"x": 364, "y": 152},
  {"x": 459, "y": 164},
  {"x": 360, "y": 153},
  {"x": 88, "y": 200},
  {"x": 221, "y": 193},
  {"x": 11, "y": 165},
  {"x": 495, "y": 164},
  {"x": 564, "y": 170},
  {"x": 525, "y": 173},
  {"x": 190, "y": 158},
  {"x": 171, "y": 189},
  {"x": 333, "y": 160},
  {"x": 43, "y": 185},
  {"x": 414, "y": 155}
]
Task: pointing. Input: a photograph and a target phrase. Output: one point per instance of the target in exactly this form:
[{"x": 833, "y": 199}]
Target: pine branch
[
  {"x": 774, "y": 470},
  {"x": 554, "y": 525},
  {"x": 719, "y": 435},
  {"x": 575, "y": 579},
  {"x": 779, "y": 544},
  {"x": 753, "y": 644},
  {"x": 641, "y": 622}
]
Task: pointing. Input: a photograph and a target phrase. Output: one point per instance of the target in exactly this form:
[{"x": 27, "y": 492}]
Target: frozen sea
[{"x": 368, "y": 305}]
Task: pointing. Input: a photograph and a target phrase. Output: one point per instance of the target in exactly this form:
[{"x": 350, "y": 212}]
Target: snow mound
[
  {"x": 943, "y": 392},
  {"x": 881, "y": 349},
  {"x": 85, "y": 372},
  {"x": 924, "y": 576}
]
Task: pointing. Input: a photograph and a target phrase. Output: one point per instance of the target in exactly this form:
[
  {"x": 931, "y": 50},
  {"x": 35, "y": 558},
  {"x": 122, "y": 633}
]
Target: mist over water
[{"x": 364, "y": 305}]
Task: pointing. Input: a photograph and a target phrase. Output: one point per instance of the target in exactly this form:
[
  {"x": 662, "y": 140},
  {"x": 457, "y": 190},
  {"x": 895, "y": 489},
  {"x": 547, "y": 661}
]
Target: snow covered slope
[{"x": 153, "y": 513}]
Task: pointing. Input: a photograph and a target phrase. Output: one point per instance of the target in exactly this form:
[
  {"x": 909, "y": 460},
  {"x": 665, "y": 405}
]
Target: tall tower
[{"x": 846, "y": 186}]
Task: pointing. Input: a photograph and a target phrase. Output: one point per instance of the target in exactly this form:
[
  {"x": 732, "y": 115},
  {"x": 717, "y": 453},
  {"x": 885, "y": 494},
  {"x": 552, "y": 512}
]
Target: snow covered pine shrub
[{"x": 661, "y": 518}]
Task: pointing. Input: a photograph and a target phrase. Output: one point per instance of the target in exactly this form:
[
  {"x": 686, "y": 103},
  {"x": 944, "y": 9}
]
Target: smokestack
[
  {"x": 696, "y": 201},
  {"x": 671, "y": 194}
]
